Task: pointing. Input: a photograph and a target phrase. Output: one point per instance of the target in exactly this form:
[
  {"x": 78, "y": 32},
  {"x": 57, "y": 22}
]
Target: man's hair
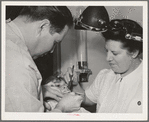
[{"x": 59, "y": 16}]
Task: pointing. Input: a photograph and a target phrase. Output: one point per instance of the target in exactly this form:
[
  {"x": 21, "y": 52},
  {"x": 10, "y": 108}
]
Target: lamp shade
[{"x": 93, "y": 18}]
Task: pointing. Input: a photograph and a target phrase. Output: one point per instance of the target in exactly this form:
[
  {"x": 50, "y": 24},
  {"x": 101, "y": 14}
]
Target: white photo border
[{"x": 78, "y": 116}]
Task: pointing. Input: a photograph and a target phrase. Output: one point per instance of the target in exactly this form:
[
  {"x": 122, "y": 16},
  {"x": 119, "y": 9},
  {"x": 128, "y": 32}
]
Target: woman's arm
[{"x": 79, "y": 90}]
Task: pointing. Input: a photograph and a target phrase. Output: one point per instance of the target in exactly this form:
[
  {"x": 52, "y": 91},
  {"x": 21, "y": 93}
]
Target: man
[{"x": 30, "y": 35}]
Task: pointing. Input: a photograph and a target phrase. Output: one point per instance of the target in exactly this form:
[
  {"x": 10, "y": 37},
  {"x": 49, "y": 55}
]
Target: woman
[{"x": 119, "y": 89}]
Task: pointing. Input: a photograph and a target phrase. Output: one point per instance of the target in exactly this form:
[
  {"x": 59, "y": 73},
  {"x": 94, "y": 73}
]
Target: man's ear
[
  {"x": 135, "y": 53},
  {"x": 44, "y": 26}
]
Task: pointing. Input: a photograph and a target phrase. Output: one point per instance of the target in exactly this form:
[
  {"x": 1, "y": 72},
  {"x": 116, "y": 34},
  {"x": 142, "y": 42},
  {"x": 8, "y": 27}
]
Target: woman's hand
[
  {"x": 70, "y": 102},
  {"x": 74, "y": 74},
  {"x": 76, "y": 86}
]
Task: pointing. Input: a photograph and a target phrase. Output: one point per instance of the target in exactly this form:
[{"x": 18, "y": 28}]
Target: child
[{"x": 59, "y": 83}]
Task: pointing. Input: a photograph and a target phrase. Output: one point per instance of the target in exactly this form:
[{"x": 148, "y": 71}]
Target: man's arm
[{"x": 21, "y": 85}]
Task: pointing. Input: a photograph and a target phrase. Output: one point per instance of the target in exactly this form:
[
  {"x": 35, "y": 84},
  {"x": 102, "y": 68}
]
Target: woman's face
[{"x": 119, "y": 58}]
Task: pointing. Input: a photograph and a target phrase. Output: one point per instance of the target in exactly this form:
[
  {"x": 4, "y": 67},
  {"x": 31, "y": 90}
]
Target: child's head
[{"x": 59, "y": 81}]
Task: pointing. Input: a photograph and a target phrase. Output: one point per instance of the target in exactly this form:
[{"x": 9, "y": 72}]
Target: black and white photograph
[{"x": 74, "y": 60}]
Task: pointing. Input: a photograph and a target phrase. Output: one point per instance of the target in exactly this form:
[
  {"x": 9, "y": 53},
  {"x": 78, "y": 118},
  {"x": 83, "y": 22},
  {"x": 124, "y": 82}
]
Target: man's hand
[
  {"x": 70, "y": 102},
  {"x": 49, "y": 92}
]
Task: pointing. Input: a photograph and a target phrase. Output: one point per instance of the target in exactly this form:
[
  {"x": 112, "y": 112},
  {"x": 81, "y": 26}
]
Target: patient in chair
[{"x": 59, "y": 83}]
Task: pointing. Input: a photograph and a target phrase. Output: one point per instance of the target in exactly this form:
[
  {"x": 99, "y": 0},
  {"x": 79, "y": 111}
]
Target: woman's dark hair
[
  {"x": 59, "y": 16},
  {"x": 126, "y": 31}
]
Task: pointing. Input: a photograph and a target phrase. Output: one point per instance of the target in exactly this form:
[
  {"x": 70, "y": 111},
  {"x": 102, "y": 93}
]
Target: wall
[{"x": 95, "y": 42}]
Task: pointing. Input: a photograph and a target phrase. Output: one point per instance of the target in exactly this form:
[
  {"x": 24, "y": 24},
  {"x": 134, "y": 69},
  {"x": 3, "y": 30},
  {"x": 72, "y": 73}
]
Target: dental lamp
[{"x": 93, "y": 18}]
